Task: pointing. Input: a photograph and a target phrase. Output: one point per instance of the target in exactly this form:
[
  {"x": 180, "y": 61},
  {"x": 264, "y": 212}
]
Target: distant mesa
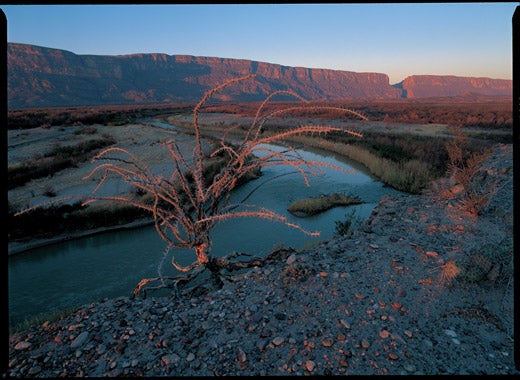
[
  {"x": 427, "y": 86},
  {"x": 44, "y": 77}
]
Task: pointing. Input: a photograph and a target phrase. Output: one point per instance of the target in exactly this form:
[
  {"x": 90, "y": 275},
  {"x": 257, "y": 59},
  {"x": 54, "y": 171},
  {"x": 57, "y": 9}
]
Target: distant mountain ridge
[{"x": 43, "y": 77}]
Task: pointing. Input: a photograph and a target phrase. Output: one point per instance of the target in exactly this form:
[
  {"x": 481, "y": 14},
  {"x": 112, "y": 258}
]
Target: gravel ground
[{"x": 384, "y": 300}]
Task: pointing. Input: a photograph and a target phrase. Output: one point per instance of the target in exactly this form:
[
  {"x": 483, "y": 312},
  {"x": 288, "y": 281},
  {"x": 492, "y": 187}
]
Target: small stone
[
  {"x": 241, "y": 356},
  {"x": 393, "y": 356},
  {"x": 80, "y": 339},
  {"x": 34, "y": 370},
  {"x": 365, "y": 344},
  {"x": 170, "y": 359},
  {"x": 278, "y": 341},
  {"x": 410, "y": 368},
  {"x": 345, "y": 324},
  {"x": 261, "y": 345},
  {"x": 22, "y": 345},
  {"x": 74, "y": 327},
  {"x": 101, "y": 349},
  {"x": 190, "y": 357},
  {"x": 327, "y": 342},
  {"x": 309, "y": 365},
  {"x": 450, "y": 333},
  {"x": 291, "y": 259},
  {"x": 455, "y": 340}
]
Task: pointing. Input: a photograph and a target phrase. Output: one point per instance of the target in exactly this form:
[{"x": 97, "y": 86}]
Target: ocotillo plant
[{"x": 187, "y": 204}]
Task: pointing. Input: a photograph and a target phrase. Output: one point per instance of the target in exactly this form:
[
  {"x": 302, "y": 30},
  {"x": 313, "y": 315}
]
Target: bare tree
[{"x": 187, "y": 204}]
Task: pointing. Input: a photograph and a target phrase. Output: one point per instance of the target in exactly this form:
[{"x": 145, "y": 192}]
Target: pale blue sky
[{"x": 463, "y": 39}]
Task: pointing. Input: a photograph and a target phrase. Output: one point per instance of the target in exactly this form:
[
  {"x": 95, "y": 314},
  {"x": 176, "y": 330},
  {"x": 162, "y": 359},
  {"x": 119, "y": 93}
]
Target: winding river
[{"x": 63, "y": 276}]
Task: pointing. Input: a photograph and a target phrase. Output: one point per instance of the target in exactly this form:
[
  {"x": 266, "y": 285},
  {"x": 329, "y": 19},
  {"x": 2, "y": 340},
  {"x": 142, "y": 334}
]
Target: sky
[{"x": 398, "y": 39}]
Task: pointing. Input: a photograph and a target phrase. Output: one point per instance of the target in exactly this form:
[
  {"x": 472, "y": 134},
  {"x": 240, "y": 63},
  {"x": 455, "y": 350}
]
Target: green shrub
[{"x": 347, "y": 226}]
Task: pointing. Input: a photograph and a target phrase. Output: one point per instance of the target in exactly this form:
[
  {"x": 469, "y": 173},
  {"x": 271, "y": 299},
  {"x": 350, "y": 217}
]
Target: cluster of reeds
[{"x": 409, "y": 176}]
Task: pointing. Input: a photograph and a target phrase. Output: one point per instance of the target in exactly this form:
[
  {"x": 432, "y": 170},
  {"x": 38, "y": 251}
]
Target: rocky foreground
[{"x": 420, "y": 288}]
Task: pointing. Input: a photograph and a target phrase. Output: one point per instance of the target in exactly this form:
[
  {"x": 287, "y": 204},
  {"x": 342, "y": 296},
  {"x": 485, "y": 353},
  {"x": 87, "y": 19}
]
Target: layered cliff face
[
  {"x": 40, "y": 77},
  {"x": 426, "y": 86}
]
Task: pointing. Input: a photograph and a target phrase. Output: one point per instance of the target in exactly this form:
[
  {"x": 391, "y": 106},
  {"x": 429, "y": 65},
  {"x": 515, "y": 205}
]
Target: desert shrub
[
  {"x": 465, "y": 166},
  {"x": 187, "y": 204},
  {"x": 346, "y": 227},
  {"x": 491, "y": 262},
  {"x": 49, "y": 191}
]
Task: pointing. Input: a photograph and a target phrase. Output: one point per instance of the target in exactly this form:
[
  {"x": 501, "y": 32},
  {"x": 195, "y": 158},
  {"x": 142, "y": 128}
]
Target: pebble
[
  {"x": 309, "y": 365},
  {"x": 80, "y": 339},
  {"x": 34, "y": 370},
  {"x": 450, "y": 333},
  {"x": 291, "y": 259},
  {"x": 278, "y": 341},
  {"x": 22, "y": 345}
]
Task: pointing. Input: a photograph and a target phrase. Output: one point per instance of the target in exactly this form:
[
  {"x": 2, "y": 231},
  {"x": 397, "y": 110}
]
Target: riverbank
[
  {"x": 382, "y": 301},
  {"x": 26, "y": 245}
]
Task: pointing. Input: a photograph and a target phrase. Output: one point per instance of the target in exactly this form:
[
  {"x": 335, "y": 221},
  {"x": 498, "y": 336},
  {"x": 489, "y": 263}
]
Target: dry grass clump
[
  {"x": 296, "y": 272},
  {"x": 465, "y": 167},
  {"x": 449, "y": 271}
]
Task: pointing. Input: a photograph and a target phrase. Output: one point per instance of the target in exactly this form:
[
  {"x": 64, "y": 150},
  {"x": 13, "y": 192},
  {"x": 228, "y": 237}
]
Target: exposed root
[{"x": 217, "y": 266}]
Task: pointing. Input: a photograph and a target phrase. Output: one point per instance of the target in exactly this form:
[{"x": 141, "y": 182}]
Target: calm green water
[{"x": 73, "y": 273}]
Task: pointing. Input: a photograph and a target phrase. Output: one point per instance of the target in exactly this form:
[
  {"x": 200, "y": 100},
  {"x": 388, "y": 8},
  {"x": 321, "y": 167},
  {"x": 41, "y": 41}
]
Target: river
[{"x": 66, "y": 275}]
